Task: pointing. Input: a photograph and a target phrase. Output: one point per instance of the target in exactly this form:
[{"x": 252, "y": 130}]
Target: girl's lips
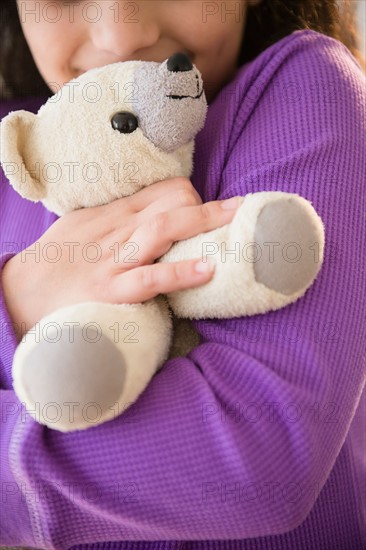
[{"x": 79, "y": 71}]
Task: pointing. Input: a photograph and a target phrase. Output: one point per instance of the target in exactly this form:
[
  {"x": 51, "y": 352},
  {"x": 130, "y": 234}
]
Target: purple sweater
[{"x": 257, "y": 436}]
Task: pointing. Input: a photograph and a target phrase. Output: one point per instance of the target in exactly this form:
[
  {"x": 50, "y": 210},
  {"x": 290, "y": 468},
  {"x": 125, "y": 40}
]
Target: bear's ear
[{"x": 15, "y": 133}]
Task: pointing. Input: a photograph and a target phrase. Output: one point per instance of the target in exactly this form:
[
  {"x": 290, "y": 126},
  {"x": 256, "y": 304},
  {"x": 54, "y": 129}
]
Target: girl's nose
[{"x": 121, "y": 32}]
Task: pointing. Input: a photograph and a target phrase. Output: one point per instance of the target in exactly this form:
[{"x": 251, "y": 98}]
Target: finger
[
  {"x": 143, "y": 198},
  {"x": 146, "y": 282},
  {"x": 174, "y": 199},
  {"x": 169, "y": 201},
  {"x": 154, "y": 238}
]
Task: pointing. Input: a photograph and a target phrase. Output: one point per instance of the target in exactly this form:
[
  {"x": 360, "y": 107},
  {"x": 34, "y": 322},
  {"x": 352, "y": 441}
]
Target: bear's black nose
[{"x": 179, "y": 62}]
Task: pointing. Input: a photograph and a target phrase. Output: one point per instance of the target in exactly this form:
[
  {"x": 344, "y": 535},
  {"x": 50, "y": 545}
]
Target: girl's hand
[{"x": 107, "y": 253}]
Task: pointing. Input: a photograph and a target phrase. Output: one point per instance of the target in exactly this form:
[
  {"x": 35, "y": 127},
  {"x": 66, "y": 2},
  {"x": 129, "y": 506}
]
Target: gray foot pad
[
  {"x": 294, "y": 264},
  {"x": 74, "y": 377}
]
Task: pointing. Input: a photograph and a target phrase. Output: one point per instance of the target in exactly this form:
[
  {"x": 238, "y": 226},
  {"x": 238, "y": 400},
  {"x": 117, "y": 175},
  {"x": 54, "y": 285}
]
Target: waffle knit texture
[{"x": 256, "y": 439}]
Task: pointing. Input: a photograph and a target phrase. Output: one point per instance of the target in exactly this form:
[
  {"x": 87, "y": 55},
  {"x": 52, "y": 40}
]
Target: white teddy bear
[{"x": 82, "y": 150}]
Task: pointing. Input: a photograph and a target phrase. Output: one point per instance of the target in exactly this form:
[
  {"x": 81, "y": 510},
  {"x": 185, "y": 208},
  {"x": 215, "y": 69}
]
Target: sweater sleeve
[
  {"x": 236, "y": 439},
  {"x": 21, "y": 223}
]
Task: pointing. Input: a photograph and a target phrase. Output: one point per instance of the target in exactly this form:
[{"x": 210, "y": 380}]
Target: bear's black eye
[{"x": 124, "y": 122}]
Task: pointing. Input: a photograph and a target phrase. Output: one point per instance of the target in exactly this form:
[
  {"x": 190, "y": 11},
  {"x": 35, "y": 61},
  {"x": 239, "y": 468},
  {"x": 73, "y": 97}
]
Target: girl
[{"x": 255, "y": 439}]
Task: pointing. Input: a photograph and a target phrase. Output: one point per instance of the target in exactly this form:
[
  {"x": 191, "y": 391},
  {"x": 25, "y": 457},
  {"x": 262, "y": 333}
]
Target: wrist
[{"x": 13, "y": 281}]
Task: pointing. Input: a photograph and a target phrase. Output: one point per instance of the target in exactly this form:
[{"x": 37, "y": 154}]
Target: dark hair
[
  {"x": 271, "y": 20},
  {"x": 267, "y": 22}
]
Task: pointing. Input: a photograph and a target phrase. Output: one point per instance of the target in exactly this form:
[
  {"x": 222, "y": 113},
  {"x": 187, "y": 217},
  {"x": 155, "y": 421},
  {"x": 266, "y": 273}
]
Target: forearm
[
  {"x": 10, "y": 325},
  {"x": 188, "y": 443},
  {"x": 14, "y": 297}
]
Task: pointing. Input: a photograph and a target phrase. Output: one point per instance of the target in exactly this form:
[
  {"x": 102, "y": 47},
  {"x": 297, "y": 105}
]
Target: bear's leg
[
  {"x": 85, "y": 364},
  {"x": 266, "y": 258}
]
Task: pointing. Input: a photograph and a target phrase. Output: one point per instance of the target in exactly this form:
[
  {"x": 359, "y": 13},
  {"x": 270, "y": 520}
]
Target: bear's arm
[{"x": 265, "y": 259}]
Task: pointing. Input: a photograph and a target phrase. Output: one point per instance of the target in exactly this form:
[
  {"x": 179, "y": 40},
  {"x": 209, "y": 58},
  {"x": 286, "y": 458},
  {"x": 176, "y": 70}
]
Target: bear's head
[{"x": 106, "y": 134}]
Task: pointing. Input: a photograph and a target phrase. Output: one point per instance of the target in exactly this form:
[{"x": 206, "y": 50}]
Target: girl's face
[{"x": 68, "y": 38}]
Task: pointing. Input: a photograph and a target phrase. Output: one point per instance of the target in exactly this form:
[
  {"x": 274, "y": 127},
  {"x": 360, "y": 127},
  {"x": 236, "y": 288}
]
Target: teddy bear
[{"x": 103, "y": 136}]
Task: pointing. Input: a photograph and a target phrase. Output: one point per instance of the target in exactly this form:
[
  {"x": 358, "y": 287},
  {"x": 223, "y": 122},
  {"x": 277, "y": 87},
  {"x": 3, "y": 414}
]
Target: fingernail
[
  {"x": 204, "y": 266},
  {"x": 230, "y": 204}
]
